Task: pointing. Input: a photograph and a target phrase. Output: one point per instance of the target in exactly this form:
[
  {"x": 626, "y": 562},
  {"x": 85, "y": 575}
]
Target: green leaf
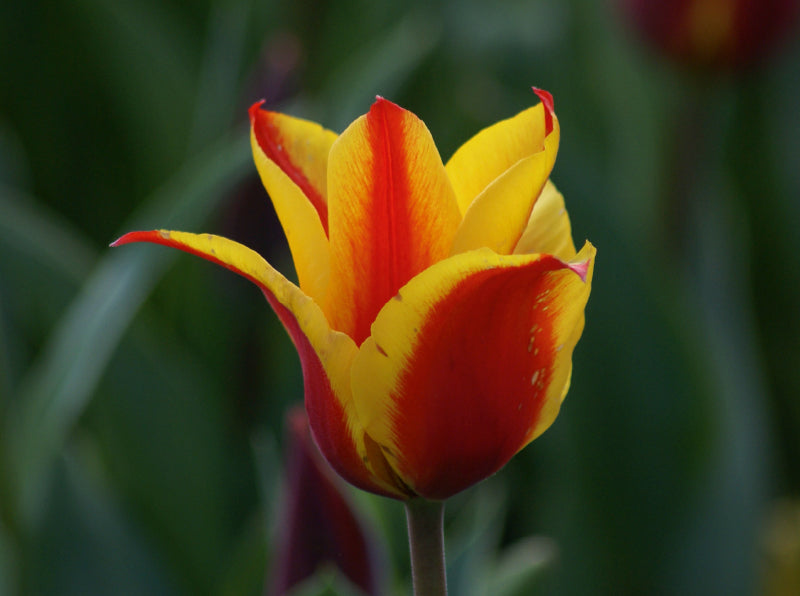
[
  {"x": 473, "y": 536},
  {"x": 326, "y": 582},
  {"x": 8, "y": 564},
  {"x": 521, "y": 568},
  {"x": 60, "y": 383},
  {"x": 100, "y": 551}
]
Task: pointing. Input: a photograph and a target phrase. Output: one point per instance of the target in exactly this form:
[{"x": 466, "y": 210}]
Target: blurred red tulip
[
  {"x": 318, "y": 526},
  {"x": 717, "y": 34}
]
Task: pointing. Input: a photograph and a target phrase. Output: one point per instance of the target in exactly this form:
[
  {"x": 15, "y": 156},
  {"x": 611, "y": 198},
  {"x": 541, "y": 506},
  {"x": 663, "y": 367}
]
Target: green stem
[{"x": 426, "y": 541}]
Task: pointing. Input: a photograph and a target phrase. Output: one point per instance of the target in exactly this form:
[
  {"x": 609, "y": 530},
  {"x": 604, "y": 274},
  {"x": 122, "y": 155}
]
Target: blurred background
[{"x": 143, "y": 392}]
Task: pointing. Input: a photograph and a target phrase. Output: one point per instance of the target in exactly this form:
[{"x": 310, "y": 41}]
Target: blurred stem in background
[{"x": 709, "y": 240}]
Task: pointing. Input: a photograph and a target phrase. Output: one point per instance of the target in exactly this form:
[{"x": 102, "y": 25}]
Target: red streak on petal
[
  {"x": 270, "y": 139},
  {"x": 392, "y": 251},
  {"x": 477, "y": 379},
  {"x": 326, "y": 417},
  {"x": 390, "y": 187},
  {"x": 547, "y": 101}
]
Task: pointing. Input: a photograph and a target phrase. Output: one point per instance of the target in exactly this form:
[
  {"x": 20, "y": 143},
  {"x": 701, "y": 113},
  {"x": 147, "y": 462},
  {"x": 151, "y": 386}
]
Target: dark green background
[{"x": 141, "y": 403}]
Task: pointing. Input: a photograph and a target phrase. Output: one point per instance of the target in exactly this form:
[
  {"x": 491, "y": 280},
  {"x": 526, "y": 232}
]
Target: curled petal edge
[
  {"x": 493, "y": 150},
  {"x": 548, "y": 229}
]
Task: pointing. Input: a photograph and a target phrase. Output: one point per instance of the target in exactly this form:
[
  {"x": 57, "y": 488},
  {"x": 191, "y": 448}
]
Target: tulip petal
[
  {"x": 468, "y": 363},
  {"x": 495, "y": 149},
  {"x": 326, "y": 355},
  {"x": 291, "y": 156},
  {"x": 299, "y": 148},
  {"x": 548, "y": 230},
  {"x": 392, "y": 213},
  {"x": 497, "y": 217}
]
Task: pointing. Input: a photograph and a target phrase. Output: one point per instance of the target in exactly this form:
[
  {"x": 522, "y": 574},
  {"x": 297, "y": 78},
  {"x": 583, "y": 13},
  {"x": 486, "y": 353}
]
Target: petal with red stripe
[
  {"x": 392, "y": 213},
  {"x": 326, "y": 355},
  {"x": 468, "y": 363},
  {"x": 299, "y": 148},
  {"x": 291, "y": 156}
]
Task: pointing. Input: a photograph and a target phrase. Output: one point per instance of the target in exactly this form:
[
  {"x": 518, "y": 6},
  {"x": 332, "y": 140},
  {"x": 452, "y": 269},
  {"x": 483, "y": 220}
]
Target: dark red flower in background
[
  {"x": 318, "y": 527},
  {"x": 719, "y": 34}
]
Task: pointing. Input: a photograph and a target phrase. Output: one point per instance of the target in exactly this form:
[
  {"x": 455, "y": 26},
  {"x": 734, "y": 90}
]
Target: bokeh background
[{"x": 143, "y": 392}]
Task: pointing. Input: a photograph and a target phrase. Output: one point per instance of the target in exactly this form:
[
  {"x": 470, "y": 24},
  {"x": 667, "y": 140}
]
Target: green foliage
[{"x": 141, "y": 404}]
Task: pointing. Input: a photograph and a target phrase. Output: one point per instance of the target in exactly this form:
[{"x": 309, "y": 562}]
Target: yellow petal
[
  {"x": 291, "y": 156},
  {"x": 495, "y": 149},
  {"x": 497, "y": 217},
  {"x": 300, "y": 148},
  {"x": 301, "y": 224},
  {"x": 548, "y": 230}
]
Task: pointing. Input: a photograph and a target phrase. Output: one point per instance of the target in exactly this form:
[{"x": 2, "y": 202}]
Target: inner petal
[{"x": 392, "y": 213}]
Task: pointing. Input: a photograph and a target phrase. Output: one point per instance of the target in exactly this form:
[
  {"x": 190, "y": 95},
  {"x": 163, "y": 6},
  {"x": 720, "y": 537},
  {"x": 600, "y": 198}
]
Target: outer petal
[
  {"x": 326, "y": 355},
  {"x": 292, "y": 156},
  {"x": 392, "y": 213},
  {"x": 548, "y": 230},
  {"x": 495, "y": 149},
  {"x": 469, "y": 363}
]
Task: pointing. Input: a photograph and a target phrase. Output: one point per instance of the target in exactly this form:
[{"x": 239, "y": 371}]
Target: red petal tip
[
  {"x": 547, "y": 101},
  {"x": 379, "y": 102},
  {"x": 255, "y": 108},
  {"x": 131, "y": 237},
  {"x": 382, "y": 107}
]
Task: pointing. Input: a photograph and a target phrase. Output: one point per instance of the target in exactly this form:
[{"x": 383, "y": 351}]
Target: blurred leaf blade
[
  {"x": 28, "y": 225},
  {"x": 60, "y": 383},
  {"x": 521, "y": 568},
  {"x": 90, "y": 531},
  {"x": 382, "y": 66}
]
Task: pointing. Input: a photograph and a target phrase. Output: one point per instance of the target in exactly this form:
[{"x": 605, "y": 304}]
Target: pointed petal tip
[
  {"x": 124, "y": 239},
  {"x": 132, "y": 237},
  {"x": 582, "y": 267},
  {"x": 255, "y": 108},
  {"x": 383, "y": 103},
  {"x": 547, "y": 101}
]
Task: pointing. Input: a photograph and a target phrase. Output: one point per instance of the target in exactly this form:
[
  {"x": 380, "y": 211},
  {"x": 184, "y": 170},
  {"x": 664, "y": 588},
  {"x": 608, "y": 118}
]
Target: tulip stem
[{"x": 426, "y": 541}]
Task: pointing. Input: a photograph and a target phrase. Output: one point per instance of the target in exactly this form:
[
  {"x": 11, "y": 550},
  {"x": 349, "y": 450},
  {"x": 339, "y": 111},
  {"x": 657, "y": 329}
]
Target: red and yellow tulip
[{"x": 438, "y": 305}]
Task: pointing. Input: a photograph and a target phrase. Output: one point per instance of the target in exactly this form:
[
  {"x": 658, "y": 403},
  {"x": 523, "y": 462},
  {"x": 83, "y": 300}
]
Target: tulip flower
[
  {"x": 716, "y": 34},
  {"x": 438, "y": 306}
]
